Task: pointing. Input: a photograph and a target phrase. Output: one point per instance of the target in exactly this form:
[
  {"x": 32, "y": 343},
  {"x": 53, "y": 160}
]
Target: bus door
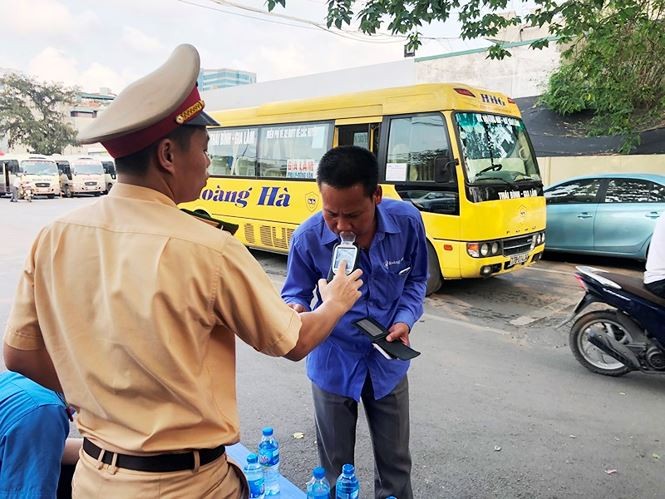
[
  {"x": 65, "y": 171},
  {"x": 416, "y": 165},
  {"x": 10, "y": 168},
  {"x": 4, "y": 187}
]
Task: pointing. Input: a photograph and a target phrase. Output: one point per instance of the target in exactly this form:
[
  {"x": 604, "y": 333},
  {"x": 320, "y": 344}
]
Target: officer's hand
[
  {"x": 399, "y": 331},
  {"x": 297, "y": 307},
  {"x": 343, "y": 289}
]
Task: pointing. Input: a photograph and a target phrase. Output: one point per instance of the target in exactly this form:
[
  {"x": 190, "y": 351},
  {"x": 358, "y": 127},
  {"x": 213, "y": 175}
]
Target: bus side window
[
  {"x": 414, "y": 143},
  {"x": 353, "y": 135},
  {"x": 293, "y": 150},
  {"x": 232, "y": 152}
]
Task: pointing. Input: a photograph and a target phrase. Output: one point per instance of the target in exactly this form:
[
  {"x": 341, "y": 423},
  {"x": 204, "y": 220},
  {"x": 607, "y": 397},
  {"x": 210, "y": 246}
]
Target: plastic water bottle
[
  {"x": 318, "y": 487},
  {"x": 347, "y": 486},
  {"x": 269, "y": 460},
  {"x": 254, "y": 473}
]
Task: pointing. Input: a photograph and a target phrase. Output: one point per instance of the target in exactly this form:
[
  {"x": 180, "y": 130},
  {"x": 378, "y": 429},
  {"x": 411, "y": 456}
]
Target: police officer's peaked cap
[{"x": 152, "y": 107}]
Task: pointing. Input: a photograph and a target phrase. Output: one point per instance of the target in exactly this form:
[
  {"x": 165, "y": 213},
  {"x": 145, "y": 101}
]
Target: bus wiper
[{"x": 493, "y": 167}]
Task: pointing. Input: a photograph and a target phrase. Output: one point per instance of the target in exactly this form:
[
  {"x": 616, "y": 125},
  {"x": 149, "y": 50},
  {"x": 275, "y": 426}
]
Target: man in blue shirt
[
  {"x": 33, "y": 429},
  {"x": 345, "y": 368}
]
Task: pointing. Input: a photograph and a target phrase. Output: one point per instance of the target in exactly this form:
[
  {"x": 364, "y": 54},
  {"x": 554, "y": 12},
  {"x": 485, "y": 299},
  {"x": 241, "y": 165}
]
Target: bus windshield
[
  {"x": 495, "y": 149},
  {"x": 39, "y": 167},
  {"x": 89, "y": 169}
]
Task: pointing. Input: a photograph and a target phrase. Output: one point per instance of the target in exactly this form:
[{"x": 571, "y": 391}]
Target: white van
[
  {"x": 40, "y": 170},
  {"x": 81, "y": 175}
]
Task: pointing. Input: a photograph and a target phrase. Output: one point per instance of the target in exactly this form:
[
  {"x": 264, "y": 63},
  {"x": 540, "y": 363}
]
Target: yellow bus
[{"x": 460, "y": 154}]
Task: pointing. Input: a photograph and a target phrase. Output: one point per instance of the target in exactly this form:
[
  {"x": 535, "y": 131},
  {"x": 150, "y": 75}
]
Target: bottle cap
[
  {"x": 252, "y": 458},
  {"x": 348, "y": 469},
  {"x": 319, "y": 473},
  {"x": 267, "y": 431}
]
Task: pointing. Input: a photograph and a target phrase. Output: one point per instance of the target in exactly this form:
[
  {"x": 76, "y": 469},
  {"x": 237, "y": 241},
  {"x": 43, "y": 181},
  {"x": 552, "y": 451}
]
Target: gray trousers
[
  {"x": 14, "y": 191},
  {"x": 388, "y": 419}
]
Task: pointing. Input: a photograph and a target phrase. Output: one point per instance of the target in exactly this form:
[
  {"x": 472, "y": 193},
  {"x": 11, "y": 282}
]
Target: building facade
[{"x": 210, "y": 79}]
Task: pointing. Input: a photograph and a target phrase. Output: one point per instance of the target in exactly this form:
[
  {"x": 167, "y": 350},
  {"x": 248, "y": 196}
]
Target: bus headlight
[
  {"x": 483, "y": 249},
  {"x": 473, "y": 249}
]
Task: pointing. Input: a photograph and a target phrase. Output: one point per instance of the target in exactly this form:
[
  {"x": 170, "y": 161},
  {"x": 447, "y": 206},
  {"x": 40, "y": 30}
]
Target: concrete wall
[
  {"x": 391, "y": 74},
  {"x": 524, "y": 74},
  {"x": 556, "y": 168}
]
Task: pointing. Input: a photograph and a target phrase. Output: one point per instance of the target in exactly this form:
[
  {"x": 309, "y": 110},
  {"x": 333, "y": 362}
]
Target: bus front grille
[{"x": 516, "y": 245}]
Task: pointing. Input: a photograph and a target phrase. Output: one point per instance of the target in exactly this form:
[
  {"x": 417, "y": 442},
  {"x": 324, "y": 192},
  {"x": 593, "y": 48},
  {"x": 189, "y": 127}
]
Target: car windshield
[
  {"x": 39, "y": 167},
  {"x": 89, "y": 168},
  {"x": 495, "y": 149}
]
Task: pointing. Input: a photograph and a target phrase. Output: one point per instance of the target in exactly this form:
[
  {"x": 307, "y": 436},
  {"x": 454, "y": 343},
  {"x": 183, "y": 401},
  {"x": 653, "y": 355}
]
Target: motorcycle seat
[{"x": 636, "y": 287}]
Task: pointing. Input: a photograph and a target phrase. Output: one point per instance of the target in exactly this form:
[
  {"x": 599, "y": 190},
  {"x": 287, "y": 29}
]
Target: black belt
[{"x": 160, "y": 463}]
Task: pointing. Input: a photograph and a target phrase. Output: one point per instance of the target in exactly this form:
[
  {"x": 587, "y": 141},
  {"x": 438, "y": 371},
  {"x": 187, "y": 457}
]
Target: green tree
[
  {"x": 31, "y": 113},
  {"x": 615, "y": 72},
  {"x": 612, "y": 66}
]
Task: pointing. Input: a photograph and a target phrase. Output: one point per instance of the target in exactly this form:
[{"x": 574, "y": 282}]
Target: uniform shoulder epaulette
[{"x": 218, "y": 224}]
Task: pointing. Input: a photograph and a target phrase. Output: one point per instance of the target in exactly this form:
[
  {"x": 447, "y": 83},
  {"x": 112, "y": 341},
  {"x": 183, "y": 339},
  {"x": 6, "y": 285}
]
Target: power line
[{"x": 302, "y": 23}]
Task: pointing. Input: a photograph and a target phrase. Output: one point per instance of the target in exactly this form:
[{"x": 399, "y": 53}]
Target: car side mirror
[{"x": 444, "y": 169}]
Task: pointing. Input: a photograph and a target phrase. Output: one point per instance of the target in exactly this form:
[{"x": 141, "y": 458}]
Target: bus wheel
[{"x": 435, "y": 280}]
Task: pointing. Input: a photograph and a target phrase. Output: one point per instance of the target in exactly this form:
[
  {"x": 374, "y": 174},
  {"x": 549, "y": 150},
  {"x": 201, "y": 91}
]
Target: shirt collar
[
  {"x": 385, "y": 223},
  {"x": 123, "y": 190}
]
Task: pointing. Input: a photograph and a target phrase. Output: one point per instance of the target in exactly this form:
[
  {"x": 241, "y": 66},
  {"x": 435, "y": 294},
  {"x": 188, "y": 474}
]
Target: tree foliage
[
  {"x": 31, "y": 113},
  {"x": 614, "y": 66},
  {"x": 615, "y": 72}
]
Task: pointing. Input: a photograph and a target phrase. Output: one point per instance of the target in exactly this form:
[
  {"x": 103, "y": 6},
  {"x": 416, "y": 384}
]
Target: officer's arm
[
  {"x": 33, "y": 364},
  {"x": 338, "y": 296}
]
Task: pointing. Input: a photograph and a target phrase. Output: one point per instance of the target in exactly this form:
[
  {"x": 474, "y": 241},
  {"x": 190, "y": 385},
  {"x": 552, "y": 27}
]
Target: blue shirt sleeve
[
  {"x": 31, "y": 453},
  {"x": 410, "y": 307},
  {"x": 301, "y": 276}
]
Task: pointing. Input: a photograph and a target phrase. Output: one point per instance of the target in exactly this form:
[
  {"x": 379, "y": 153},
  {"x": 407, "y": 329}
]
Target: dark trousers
[
  {"x": 657, "y": 288},
  {"x": 388, "y": 420}
]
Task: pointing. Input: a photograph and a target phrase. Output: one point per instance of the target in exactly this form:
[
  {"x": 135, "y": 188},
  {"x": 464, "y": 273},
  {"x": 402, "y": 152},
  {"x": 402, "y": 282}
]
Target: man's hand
[
  {"x": 297, "y": 307},
  {"x": 399, "y": 331},
  {"x": 342, "y": 291}
]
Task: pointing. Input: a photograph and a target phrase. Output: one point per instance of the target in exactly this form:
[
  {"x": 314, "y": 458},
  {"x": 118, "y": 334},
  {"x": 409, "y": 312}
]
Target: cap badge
[{"x": 188, "y": 113}]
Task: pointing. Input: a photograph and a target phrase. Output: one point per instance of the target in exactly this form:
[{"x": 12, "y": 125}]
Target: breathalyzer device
[{"x": 346, "y": 251}]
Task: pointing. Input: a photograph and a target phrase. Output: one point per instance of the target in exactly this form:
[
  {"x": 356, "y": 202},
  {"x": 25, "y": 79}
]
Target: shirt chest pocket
[{"x": 389, "y": 282}]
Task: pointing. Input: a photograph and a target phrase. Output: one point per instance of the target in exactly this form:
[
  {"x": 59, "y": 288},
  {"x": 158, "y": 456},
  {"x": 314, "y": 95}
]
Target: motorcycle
[
  {"x": 26, "y": 191},
  {"x": 630, "y": 336}
]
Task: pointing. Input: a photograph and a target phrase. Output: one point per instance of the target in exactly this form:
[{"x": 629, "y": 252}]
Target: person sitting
[
  {"x": 34, "y": 424},
  {"x": 654, "y": 276}
]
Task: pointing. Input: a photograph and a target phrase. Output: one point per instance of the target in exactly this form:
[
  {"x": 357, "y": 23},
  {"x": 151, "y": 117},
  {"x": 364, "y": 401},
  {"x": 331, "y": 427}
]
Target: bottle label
[
  {"x": 269, "y": 458},
  {"x": 256, "y": 488}
]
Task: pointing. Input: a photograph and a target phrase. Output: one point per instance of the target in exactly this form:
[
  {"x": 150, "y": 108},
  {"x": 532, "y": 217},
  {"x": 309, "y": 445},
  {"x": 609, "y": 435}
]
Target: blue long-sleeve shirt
[
  {"x": 33, "y": 430},
  {"x": 394, "y": 281}
]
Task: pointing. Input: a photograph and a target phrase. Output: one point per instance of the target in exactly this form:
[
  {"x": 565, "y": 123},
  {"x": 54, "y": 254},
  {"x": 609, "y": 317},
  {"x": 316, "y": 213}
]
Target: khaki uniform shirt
[{"x": 138, "y": 305}]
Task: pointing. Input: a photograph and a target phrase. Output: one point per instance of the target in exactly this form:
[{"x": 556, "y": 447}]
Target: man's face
[
  {"x": 350, "y": 209},
  {"x": 192, "y": 166}
]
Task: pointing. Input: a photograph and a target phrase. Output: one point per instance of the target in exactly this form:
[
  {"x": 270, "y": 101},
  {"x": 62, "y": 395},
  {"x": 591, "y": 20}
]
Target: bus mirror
[{"x": 444, "y": 169}]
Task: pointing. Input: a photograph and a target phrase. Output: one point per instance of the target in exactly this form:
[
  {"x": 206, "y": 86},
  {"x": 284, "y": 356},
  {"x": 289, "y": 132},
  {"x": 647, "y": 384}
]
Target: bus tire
[{"x": 435, "y": 279}]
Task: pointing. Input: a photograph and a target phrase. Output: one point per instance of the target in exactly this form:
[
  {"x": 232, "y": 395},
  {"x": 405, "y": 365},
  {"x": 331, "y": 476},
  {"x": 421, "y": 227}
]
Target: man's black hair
[
  {"x": 346, "y": 166},
  {"x": 137, "y": 163}
]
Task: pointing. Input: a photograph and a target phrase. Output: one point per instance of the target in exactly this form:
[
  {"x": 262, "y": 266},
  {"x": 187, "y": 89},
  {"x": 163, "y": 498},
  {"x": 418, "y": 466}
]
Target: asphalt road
[{"x": 499, "y": 407}]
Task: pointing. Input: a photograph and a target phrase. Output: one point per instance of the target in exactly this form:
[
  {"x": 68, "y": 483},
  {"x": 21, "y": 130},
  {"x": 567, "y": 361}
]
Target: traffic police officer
[{"x": 131, "y": 306}]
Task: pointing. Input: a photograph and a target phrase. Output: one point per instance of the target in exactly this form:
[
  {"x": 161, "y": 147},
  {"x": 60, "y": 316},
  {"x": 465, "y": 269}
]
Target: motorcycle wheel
[{"x": 590, "y": 356}]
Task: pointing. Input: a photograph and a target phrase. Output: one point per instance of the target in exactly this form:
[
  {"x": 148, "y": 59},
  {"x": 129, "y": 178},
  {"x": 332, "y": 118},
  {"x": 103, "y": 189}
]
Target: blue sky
[{"x": 95, "y": 44}]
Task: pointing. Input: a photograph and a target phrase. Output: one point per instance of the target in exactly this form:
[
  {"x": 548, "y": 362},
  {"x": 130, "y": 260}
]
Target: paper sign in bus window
[
  {"x": 396, "y": 172},
  {"x": 301, "y": 168}
]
